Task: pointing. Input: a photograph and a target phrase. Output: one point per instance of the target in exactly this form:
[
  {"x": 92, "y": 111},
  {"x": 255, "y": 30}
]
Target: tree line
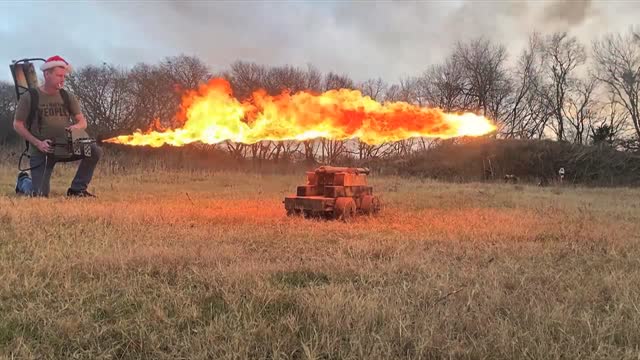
[{"x": 554, "y": 88}]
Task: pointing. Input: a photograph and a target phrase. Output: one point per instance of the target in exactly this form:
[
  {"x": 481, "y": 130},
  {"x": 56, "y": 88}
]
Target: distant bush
[{"x": 529, "y": 160}]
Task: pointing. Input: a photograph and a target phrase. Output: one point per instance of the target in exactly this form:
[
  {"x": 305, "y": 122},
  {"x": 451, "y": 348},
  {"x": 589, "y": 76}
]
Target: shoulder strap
[
  {"x": 66, "y": 100},
  {"x": 34, "y": 98},
  {"x": 33, "y": 110}
]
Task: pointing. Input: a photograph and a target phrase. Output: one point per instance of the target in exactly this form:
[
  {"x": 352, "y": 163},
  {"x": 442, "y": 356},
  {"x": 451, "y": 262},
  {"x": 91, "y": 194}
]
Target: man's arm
[
  {"x": 81, "y": 122},
  {"x": 76, "y": 113},
  {"x": 22, "y": 112},
  {"x": 21, "y": 129}
]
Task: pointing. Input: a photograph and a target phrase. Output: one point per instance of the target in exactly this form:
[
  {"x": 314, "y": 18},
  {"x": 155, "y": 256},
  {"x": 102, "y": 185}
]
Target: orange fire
[{"x": 212, "y": 115}]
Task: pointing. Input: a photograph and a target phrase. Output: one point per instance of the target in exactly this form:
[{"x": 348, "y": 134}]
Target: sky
[{"x": 363, "y": 39}]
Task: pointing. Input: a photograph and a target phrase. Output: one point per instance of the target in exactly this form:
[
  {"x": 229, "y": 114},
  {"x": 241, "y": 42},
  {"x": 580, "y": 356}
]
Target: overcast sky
[{"x": 365, "y": 39}]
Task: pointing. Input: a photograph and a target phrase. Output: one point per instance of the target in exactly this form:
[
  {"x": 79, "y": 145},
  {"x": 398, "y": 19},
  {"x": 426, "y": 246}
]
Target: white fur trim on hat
[{"x": 55, "y": 63}]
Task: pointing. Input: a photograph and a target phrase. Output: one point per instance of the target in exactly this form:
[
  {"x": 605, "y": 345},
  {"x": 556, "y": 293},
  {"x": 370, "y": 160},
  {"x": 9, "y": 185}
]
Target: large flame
[{"x": 212, "y": 115}]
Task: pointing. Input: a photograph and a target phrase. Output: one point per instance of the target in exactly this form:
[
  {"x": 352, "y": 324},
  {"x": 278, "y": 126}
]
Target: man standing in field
[{"x": 55, "y": 108}]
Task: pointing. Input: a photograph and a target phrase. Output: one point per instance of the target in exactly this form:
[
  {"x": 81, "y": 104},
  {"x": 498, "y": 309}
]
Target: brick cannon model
[{"x": 334, "y": 193}]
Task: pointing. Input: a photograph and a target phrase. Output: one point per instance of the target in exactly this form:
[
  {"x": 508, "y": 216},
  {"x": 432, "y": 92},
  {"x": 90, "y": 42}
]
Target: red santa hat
[{"x": 56, "y": 61}]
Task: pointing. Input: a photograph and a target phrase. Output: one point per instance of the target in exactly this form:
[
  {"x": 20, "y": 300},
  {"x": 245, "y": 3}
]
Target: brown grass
[{"x": 202, "y": 265}]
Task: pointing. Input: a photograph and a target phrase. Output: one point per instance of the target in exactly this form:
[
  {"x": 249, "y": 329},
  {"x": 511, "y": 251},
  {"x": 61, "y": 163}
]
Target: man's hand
[
  {"x": 44, "y": 146},
  {"x": 74, "y": 127},
  {"x": 81, "y": 122}
]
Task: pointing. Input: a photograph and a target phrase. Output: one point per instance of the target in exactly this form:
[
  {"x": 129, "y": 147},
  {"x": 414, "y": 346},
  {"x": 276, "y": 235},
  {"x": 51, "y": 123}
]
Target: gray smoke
[
  {"x": 388, "y": 39},
  {"x": 569, "y": 12}
]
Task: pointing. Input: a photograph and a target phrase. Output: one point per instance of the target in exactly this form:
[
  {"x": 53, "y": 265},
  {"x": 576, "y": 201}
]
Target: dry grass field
[{"x": 205, "y": 265}]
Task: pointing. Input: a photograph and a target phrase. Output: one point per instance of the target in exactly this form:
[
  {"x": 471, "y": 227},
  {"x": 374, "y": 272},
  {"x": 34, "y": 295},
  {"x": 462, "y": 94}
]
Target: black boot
[{"x": 79, "y": 193}]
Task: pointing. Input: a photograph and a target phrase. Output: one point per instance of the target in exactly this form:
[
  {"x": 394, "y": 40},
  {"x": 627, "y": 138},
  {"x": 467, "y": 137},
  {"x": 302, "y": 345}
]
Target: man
[{"x": 50, "y": 122}]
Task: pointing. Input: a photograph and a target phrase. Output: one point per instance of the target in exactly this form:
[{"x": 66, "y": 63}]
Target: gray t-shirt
[{"x": 53, "y": 114}]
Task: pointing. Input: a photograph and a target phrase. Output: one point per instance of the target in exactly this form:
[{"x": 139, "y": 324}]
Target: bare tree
[
  {"x": 237, "y": 150},
  {"x": 116, "y": 100},
  {"x": 613, "y": 124},
  {"x": 154, "y": 96},
  {"x": 443, "y": 86},
  {"x": 7, "y": 109},
  {"x": 188, "y": 72},
  {"x": 392, "y": 93},
  {"x": 247, "y": 77},
  {"x": 284, "y": 150},
  {"x": 526, "y": 73},
  {"x": 498, "y": 101},
  {"x": 617, "y": 61},
  {"x": 527, "y": 113},
  {"x": 580, "y": 110},
  {"x": 409, "y": 91},
  {"x": 261, "y": 150},
  {"x": 373, "y": 88},
  {"x": 366, "y": 151},
  {"x": 309, "y": 151},
  {"x": 313, "y": 79},
  {"x": 406, "y": 90},
  {"x": 332, "y": 150},
  {"x": 486, "y": 80},
  {"x": 336, "y": 81},
  {"x": 563, "y": 55},
  {"x": 285, "y": 78},
  {"x": 105, "y": 95}
]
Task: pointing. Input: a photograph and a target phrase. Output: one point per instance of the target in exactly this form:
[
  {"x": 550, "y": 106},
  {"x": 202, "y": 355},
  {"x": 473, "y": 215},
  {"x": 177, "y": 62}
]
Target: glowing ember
[{"x": 212, "y": 115}]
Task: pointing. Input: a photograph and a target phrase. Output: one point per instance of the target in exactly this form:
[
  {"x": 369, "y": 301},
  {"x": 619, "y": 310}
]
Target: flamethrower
[
  {"x": 24, "y": 75},
  {"x": 75, "y": 144}
]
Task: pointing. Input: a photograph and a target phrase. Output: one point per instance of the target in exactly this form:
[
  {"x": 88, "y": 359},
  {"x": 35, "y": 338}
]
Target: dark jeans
[{"x": 42, "y": 168}]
